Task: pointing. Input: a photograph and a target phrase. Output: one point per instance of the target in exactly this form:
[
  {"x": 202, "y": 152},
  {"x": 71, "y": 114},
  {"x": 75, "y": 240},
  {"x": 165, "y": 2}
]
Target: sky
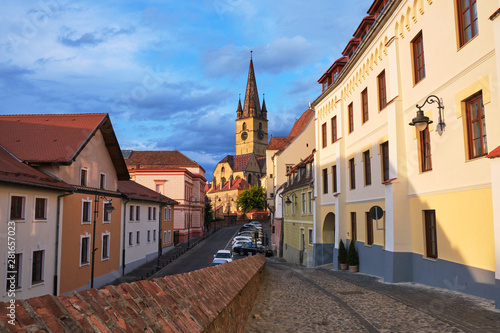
[{"x": 169, "y": 73}]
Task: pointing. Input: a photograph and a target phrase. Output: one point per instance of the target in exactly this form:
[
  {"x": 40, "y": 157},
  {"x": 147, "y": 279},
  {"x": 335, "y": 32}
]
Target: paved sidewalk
[{"x": 299, "y": 299}]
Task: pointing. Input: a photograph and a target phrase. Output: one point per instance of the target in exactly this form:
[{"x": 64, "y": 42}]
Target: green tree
[
  {"x": 251, "y": 198},
  {"x": 208, "y": 214}
]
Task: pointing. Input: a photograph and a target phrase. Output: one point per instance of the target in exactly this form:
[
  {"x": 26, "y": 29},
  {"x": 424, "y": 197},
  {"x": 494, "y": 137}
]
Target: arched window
[
  {"x": 222, "y": 169},
  {"x": 249, "y": 179},
  {"x": 244, "y": 126},
  {"x": 260, "y": 126}
]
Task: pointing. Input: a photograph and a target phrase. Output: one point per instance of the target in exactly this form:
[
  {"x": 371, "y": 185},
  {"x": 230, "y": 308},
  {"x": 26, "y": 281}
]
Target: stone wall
[{"x": 213, "y": 299}]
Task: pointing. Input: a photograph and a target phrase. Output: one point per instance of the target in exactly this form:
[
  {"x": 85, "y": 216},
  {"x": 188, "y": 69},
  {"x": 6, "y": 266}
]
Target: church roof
[
  {"x": 238, "y": 162},
  {"x": 251, "y": 106},
  {"x": 235, "y": 184}
]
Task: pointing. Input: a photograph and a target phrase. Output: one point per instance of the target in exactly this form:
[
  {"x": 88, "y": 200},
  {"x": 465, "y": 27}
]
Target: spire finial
[{"x": 251, "y": 54}]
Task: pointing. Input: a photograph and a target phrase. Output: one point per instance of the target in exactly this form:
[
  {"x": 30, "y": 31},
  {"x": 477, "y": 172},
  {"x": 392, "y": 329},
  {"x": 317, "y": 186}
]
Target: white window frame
[
  {"x": 154, "y": 213},
  {"x": 148, "y": 238},
  {"x": 311, "y": 235},
  {"x": 104, "y": 213},
  {"x": 164, "y": 237},
  {"x": 102, "y": 186},
  {"x": 44, "y": 219},
  {"x": 86, "y": 177},
  {"x": 23, "y": 213},
  {"x": 20, "y": 273},
  {"x": 150, "y": 213},
  {"x": 87, "y": 235},
  {"x": 106, "y": 233},
  {"x": 44, "y": 255},
  {"x": 169, "y": 236},
  {"x": 154, "y": 235},
  {"x": 90, "y": 211},
  {"x": 138, "y": 237},
  {"x": 309, "y": 198},
  {"x": 138, "y": 213},
  {"x": 131, "y": 213},
  {"x": 304, "y": 203},
  {"x": 169, "y": 213},
  {"x": 130, "y": 238}
]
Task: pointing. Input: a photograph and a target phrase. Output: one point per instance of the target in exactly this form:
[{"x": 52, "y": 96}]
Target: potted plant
[
  {"x": 352, "y": 257},
  {"x": 342, "y": 256}
]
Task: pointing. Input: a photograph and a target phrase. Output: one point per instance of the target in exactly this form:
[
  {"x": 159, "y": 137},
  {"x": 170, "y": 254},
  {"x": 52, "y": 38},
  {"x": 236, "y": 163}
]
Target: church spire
[
  {"x": 251, "y": 106},
  {"x": 239, "y": 111},
  {"x": 264, "y": 109}
]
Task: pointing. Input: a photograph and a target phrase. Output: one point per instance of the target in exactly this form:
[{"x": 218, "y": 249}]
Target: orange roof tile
[
  {"x": 494, "y": 153},
  {"x": 137, "y": 191},
  {"x": 172, "y": 158},
  {"x": 300, "y": 123},
  {"x": 16, "y": 172},
  {"x": 277, "y": 143}
]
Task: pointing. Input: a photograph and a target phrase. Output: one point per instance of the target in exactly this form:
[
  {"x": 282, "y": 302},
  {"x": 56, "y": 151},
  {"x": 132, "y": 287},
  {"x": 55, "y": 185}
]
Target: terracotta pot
[
  {"x": 354, "y": 269},
  {"x": 343, "y": 267}
]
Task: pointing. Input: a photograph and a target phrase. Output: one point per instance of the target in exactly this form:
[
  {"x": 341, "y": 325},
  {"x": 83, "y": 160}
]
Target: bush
[
  {"x": 352, "y": 256},
  {"x": 342, "y": 253}
]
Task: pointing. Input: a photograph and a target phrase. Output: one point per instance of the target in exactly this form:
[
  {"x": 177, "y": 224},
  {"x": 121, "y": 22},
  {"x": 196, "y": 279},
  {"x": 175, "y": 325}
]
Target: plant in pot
[
  {"x": 352, "y": 257},
  {"x": 342, "y": 256}
]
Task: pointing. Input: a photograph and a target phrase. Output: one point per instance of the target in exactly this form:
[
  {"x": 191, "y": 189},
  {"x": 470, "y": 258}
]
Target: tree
[
  {"x": 352, "y": 255},
  {"x": 208, "y": 214},
  {"x": 252, "y": 198}
]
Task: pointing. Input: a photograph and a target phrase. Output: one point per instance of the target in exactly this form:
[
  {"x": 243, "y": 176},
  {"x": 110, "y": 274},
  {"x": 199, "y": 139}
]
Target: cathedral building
[{"x": 235, "y": 173}]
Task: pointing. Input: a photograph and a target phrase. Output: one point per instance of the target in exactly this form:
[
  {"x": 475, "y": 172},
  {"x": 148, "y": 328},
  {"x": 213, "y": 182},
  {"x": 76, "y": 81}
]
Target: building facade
[{"x": 407, "y": 53}]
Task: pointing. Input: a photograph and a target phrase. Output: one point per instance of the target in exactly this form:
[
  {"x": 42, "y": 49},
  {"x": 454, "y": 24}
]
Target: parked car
[
  {"x": 224, "y": 255},
  {"x": 218, "y": 262},
  {"x": 247, "y": 243},
  {"x": 241, "y": 239},
  {"x": 255, "y": 223},
  {"x": 243, "y": 251}
]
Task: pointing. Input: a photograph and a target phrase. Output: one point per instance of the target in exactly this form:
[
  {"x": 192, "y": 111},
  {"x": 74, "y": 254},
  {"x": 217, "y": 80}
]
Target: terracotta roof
[
  {"x": 262, "y": 161},
  {"x": 238, "y": 162},
  {"x": 302, "y": 163},
  {"x": 277, "y": 143},
  {"x": 14, "y": 171},
  {"x": 189, "y": 302},
  {"x": 137, "y": 191},
  {"x": 300, "y": 123},
  {"x": 239, "y": 183},
  {"x": 58, "y": 138},
  {"x": 170, "y": 158},
  {"x": 494, "y": 153}
]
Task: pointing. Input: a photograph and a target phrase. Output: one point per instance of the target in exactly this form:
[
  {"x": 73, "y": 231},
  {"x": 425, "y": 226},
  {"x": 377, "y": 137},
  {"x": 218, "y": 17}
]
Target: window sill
[
  {"x": 429, "y": 259},
  {"x": 82, "y": 264},
  {"x": 86, "y": 222},
  {"x": 388, "y": 181},
  {"x": 40, "y": 221},
  {"x": 106, "y": 222},
  {"x": 38, "y": 283},
  {"x": 336, "y": 194},
  {"x": 18, "y": 221},
  {"x": 105, "y": 259}
]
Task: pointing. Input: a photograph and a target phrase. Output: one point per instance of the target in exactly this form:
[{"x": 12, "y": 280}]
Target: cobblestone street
[{"x": 298, "y": 299}]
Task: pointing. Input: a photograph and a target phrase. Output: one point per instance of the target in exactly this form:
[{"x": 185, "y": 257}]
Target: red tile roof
[
  {"x": 190, "y": 302},
  {"x": 16, "y": 172},
  {"x": 301, "y": 123},
  {"x": 172, "y": 158},
  {"x": 238, "y": 162},
  {"x": 58, "y": 138},
  {"x": 137, "y": 191},
  {"x": 277, "y": 143},
  {"x": 494, "y": 153},
  {"x": 226, "y": 186}
]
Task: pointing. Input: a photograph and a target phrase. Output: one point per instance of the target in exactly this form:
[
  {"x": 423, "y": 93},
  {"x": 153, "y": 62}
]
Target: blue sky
[{"x": 169, "y": 73}]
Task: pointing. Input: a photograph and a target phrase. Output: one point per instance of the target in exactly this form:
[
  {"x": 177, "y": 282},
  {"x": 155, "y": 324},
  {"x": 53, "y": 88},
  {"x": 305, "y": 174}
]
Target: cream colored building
[{"x": 435, "y": 186}]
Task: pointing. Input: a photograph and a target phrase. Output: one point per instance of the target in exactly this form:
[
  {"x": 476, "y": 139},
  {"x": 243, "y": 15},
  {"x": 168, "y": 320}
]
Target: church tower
[{"x": 251, "y": 120}]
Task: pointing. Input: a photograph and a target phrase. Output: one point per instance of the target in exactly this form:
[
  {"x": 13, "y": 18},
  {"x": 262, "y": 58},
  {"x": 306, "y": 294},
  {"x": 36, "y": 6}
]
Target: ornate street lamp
[{"x": 421, "y": 121}]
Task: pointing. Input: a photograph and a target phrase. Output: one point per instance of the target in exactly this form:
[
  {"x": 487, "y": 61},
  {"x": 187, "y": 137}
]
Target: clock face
[
  {"x": 244, "y": 136},
  {"x": 261, "y": 135}
]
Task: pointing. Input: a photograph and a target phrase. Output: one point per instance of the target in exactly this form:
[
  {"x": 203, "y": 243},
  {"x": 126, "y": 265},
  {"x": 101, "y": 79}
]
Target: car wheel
[{"x": 242, "y": 253}]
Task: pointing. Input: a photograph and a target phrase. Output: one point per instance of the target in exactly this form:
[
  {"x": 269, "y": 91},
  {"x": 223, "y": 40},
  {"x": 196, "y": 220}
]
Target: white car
[
  {"x": 241, "y": 244},
  {"x": 255, "y": 223},
  {"x": 224, "y": 255},
  {"x": 241, "y": 239}
]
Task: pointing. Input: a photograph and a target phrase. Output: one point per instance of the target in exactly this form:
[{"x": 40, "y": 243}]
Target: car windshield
[{"x": 223, "y": 255}]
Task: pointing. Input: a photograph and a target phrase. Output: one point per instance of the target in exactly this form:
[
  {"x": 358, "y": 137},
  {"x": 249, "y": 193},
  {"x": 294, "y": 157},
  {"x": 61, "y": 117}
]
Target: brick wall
[{"x": 214, "y": 299}]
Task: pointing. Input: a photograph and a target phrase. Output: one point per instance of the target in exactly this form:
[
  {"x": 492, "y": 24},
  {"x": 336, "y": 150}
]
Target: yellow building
[
  {"x": 298, "y": 211},
  {"x": 434, "y": 185}
]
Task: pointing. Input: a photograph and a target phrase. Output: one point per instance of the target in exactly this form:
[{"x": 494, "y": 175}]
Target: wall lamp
[
  {"x": 288, "y": 201},
  {"x": 421, "y": 121},
  {"x": 108, "y": 208}
]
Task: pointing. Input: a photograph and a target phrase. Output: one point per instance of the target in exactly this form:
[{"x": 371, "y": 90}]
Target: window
[
  {"x": 325, "y": 181},
  {"x": 154, "y": 213},
  {"x": 334, "y": 178},
  {"x": 169, "y": 213},
  {"x": 310, "y": 200},
  {"x": 354, "y": 231},
  {"x": 323, "y": 134},
  {"x": 430, "y": 233},
  {"x": 334, "y": 129},
  {"x": 130, "y": 239},
  {"x": 169, "y": 238},
  {"x": 149, "y": 236},
  {"x": 158, "y": 188},
  {"x": 294, "y": 201},
  {"x": 467, "y": 20},
  {"x": 476, "y": 127},
  {"x": 138, "y": 213},
  {"x": 164, "y": 237},
  {"x": 352, "y": 174},
  {"x": 384, "y": 147},
  {"x": 382, "y": 94},
  {"x": 105, "y": 246},
  {"x": 418, "y": 58},
  {"x": 37, "y": 267},
  {"x": 364, "y": 105},
  {"x": 310, "y": 240},
  {"x": 106, "y": 216},
  {"x": 84, "y": 249},
  {"x": 40, "y": 208},
  {"x": 350, "y": 110},
  {"x": 369, "y": 229},
  {"x": 425, "y": 150},
  {"x": 138, "y": 238},
  {"x": 102, "y": 181},
  {"x": 154, "y": 235},
  {"x": 83, "y": 177},
  {"x": 150, "y": 213},
  {"x": 14, "y": 275},
  {"x": 367, "y": 167},
  {"x": 303, "y": 204},
  {"x": 289, "y": 167},
  {"x": 131, "y": 212},
  {"x": 17, "y": 207},
  {"x": 86, "y": 206}
]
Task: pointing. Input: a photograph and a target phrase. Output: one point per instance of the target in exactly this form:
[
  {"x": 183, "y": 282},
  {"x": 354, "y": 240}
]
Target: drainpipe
[
  {"x": 282, "y": 225},
  {"x": 58, "y": 216},
  {"x": 158, "y": 266},
  {"x": 124, "y": 234}
]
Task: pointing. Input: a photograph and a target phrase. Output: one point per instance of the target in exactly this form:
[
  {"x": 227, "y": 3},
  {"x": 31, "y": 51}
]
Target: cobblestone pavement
[{"x": 299, "y": 299}]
